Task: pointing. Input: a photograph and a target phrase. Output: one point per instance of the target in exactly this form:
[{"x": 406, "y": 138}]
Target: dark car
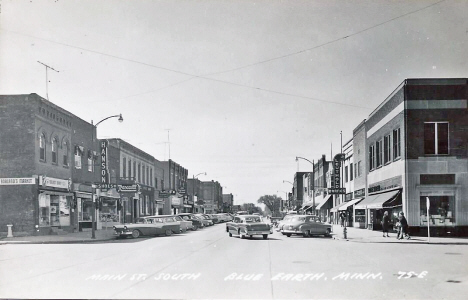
[
  {"x": 196, "y": 222},
  {"x": 248, "y": 225}
]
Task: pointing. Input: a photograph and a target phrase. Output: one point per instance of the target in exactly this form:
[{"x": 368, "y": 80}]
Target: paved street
[{"x": 209, "y": 264}]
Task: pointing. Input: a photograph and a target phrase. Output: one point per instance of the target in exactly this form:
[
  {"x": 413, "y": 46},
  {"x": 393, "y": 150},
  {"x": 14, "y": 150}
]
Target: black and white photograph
[{"x": 234, "y": 149}]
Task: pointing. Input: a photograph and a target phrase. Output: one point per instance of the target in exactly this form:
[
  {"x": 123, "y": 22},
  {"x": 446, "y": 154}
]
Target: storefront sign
[
  {"x": 336, "y": 191},
  {"x": 360, "y": 193},
  {"x": 17, "y": 181},
  {"x": 55, "y": 182},
  {"x": 106, "y": 186},
  {"x": 104, "y": 166},
  {"x": 182, "y": 191},
  {"x": 128, "y": 188},
  {"x": 175, "y": 201}
]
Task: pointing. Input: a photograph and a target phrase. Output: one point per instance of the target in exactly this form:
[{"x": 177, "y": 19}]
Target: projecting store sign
[
  {"x": 104, "y": 166},
  {"x": 17, "y": 181}
]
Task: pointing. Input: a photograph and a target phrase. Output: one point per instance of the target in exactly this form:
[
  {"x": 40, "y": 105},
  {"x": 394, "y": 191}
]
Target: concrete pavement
[
  {"x": 371, "y": 236},
  {"x": 353, "y": 235}
]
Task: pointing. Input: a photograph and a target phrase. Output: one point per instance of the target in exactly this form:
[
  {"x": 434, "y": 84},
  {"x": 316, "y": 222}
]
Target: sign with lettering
[
  {"x": 128, "y": 188},
  {"x": 55, "y": 182},
  {"x": 104, "y": 164},
  {"x": 182, "y": 191},
  {"x": 17, "y": 181},
  {"x": 336, "y": 191},
  {"x": 106, "y": 186},
  {"x": 163, "y": 194}
]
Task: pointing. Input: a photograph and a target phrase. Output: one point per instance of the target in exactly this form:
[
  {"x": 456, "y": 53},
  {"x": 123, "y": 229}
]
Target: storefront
[
  {"x": 324, "y": 207},
  {"x": 55, "y": 205},
  {"x": 347, "y": 209},
  {"x": 442, "y": 216},
  {"x": 374, "y": 207},
  {"x": 109, "y": 208}
]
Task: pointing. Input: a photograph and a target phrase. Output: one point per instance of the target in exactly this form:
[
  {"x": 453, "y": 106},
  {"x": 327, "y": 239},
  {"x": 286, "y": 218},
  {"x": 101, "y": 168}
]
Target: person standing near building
[
  {"x": 385, "y": 224},
  {"x": 403, "y": 227}
]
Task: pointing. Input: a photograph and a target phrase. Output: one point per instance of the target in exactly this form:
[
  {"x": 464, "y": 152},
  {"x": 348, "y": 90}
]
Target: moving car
[
  {"x": 196, "y": 222},
  {"x": 144, "y": 226},
  {"x": 248, "y": 225},
  {"x": 304, "y": 225},
  {"x": 282, "y": 221}
]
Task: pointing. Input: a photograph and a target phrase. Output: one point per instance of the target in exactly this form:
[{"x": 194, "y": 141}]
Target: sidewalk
[
  {"x": 369, "y": 236},
  {"x": 69, "y": 238}
]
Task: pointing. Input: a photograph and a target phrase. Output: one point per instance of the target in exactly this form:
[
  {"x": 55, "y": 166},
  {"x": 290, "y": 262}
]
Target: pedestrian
[
  {"x": 385, "y": 223},
  {"x": 403, "y": 227},
  {"x": 342, "y": 219}
]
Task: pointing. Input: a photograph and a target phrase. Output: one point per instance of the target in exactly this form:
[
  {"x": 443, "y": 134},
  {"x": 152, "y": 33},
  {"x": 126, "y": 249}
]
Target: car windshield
[{"x": 252, "y": 220}]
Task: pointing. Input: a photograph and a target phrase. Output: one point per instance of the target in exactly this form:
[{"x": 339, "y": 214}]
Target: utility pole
[
  {"x": 47, "y": 77},
  {"x": 169, "y": 142}
]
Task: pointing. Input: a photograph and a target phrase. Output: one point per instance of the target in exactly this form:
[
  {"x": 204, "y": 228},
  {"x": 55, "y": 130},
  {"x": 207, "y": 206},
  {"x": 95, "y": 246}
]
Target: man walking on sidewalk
[{"x": 385, "y": 224}]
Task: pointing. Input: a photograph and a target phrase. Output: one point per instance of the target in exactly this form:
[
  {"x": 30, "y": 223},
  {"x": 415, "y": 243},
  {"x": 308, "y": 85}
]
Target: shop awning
[
  {"x": 309, "y": 204},
  {"x": 377, "y": 201},
  {"x": 349, "y": 203},
  {"x": 336, "y": 208},
  {"x": 322, "y": 204}
]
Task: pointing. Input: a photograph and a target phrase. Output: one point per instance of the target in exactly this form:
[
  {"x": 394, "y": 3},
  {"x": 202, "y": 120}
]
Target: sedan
[
  {"x": 248, "y": 225},
  {"x": 305, "y": 226},
  {"x": 205, "y": 220},
  {"x": 170, "y": 221},
  {"x": 143, "y": 226},
  {"x": 196, "y": 222}
]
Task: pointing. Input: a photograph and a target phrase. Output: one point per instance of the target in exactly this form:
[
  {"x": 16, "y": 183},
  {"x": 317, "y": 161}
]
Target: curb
[{"x": 57, "y": 242}]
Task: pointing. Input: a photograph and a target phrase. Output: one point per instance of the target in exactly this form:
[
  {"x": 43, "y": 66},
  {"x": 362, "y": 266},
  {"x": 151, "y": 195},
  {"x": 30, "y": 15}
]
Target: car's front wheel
[
  {"x": 306, "y": 233},
  {"x": 230, "y": 234},
  {"x": 195, "y": 227},
  {"x": 168, "y": 232},
  {"x": 265, "y": 236},
  {"x": 135, "y": 233},
  {"x": 241, "y": 235},
  {"x": 328, "y": 232},
  {"x": 288, "y": 234}
]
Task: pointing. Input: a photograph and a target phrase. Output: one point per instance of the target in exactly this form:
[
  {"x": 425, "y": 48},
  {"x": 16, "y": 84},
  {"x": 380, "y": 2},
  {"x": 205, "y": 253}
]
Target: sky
[{"x": 236, "y": 89}]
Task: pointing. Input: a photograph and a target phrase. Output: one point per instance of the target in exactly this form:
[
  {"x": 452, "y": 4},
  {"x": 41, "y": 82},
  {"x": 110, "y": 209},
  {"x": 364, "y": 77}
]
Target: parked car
[
  {"x": 225, "y": 217},
  {"x": 214, "y": 218},
  {"x": 282, "y": 221},
  {"x": 184, "y": 224},
  {"x": 145, "y": 226},
  {"x": 248, "y": 225},
  {"x": 305, "y": 225},
  {"x": 206, "y": 221},
  {"x": 172, "y": 220},
  {"x": 196, "y": 222}
]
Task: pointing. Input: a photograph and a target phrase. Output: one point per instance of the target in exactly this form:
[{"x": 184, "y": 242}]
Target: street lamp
[
  {"x": 93, "y": 221},
  {"x": 193, "y": 189},
  {"x": 311, "y": 178}
]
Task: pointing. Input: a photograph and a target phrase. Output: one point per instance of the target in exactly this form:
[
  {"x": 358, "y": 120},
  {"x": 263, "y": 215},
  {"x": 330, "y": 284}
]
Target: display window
[
  {"x": 54, "y": 210},
  {"x": 441, "y": 210},
  {"x": 85, "y": 210},
  {"x": 44, "y": 210},
  {"x": 108, "y": 210}
]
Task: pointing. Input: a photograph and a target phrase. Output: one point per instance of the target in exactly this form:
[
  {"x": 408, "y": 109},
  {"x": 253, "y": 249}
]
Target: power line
[
  {"x": 324, "y": 44},
  {"x": 47, "y": 77}
]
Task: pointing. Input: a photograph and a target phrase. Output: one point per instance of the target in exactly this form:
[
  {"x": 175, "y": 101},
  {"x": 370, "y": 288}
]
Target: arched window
[
  {"x": 42, "y": 147},
  {"x": 55, "y": 150},
  {"x": 66, "y": 151}
]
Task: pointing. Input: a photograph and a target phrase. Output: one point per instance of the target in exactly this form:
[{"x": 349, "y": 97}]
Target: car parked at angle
[
  {"x": 306, "y": 226},
  {"x": 206, "y": 221},
  {"x": 145, "y": 226},
  {"x": 225, "y": 217},
  {"x": 173, "y": 220},
  {"x": 214, "y": 218},
  {"x": 196, "y": 222},
  {"x": 248, "y": 226}
]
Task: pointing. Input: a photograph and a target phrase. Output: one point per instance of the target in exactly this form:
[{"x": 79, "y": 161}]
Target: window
[
  {"x": 371, "y": 157},
  {"x": 441, "y": 210},
  {"x": 378, "y": 153},
  {"x": 129, "y": 169},
  {"x": 396, "y": 143},
  {"x": 124, "y": 167},
  {"x": 42, "y": 147},
  {"x": 387, "y": 153},
  {"x": 151, "y": 176},
  {"x": 359, "y": 168},
  {"x": 66, "y": 150},
  {"x": 134, "y": 171},
  {"x": 351, "y": 172},
  {"x": 162, "y": 184},
  {"x": 77, "y": 157},
  {"x": 346, "y": 174},
  {"x": 436, "y": 138},
  {"x": 139, "y": 173},
  {"x": 55, "y": 151},
  {"x": 90, "y": 161},
  {"x": 143, "y": 177}
]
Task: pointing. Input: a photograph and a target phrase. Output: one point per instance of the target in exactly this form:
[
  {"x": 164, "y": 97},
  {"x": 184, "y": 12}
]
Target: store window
[
  {"x": 42, "y": 147},
  {"x": 54, "y": 150},
  {"x": 436, "y": 138},
  {"x": 66, "y": 151},
  {"x": 396, "y": 143},
  {"x": 85, "y": 210},
  {"x": 108, "y": 210},
  {"x": 441, "y": 210},
  {"x": 44, "y": 210}
]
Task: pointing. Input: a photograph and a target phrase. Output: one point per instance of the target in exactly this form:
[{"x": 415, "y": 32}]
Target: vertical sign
[
  {"x": 104, "y": 166},
  {"x": 428, "y": 204}
]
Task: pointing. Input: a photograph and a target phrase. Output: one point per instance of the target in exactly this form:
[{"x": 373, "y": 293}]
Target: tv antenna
[{"x": 47, "y": 77}]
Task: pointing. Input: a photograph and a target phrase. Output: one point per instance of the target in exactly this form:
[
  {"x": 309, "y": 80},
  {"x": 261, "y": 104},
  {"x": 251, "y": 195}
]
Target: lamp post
[
  {"x": 93, "y": 215},
  {"x": 312, "y": 180},
  {"x": 193, "y": 189},
  {"x": 287, "y": 200}
]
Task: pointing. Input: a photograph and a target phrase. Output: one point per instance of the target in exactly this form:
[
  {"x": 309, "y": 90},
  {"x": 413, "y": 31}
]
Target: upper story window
[
  {"x": 78, "y": 153},
  {"x": 66, "y": 151},
  {"x": 396, "y": 143},
  {"x": 42, "y": 147},
  {"x": 134, "y": 171},
  {"x": 151, "y": 176},
  {"x": 139, "y": 172},
  {"x": 436, "y": 138},
  {"x": 359, "y": 169},
  {"x": 54, "y": 150},
  {"x": 143, "y": 178},
  {"x": 351, "y": 172},
  {"x": 124, "y": 167},
  {"x": 90, "y": 161},
  {"x": 346, "y": 174},
  {"x": 378, "y": 153},
  {"x": 371, "y": 157},
  {"x": 387, "y": 148},
  {"x": 129, "y": 169}
]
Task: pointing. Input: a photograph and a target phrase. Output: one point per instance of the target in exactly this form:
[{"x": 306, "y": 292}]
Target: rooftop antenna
[{"x": 47, "y": 78}]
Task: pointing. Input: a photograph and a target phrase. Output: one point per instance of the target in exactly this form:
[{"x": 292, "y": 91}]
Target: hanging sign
[{"x": 104, "y": 166}]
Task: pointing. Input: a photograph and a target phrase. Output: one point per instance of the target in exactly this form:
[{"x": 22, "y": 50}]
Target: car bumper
[
  {"x": 258, "y": 232},
  {"x": 292, "y": 231},
  {"x": 122, "y": 233}
]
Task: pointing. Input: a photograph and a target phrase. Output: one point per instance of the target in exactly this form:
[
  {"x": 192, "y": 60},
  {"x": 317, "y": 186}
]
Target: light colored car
[
  {"x": 306, "y": 226},
  {"x": 184, "y": 225},
  {"x": 145, "y": 226},
  {"x": 279, "y": 223},
  {"x": 248, "y": 225},
  {"x": 168, "y": 220},
  {"x": 196, "y": 222},
  {"x": 206, "y": 221}
]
